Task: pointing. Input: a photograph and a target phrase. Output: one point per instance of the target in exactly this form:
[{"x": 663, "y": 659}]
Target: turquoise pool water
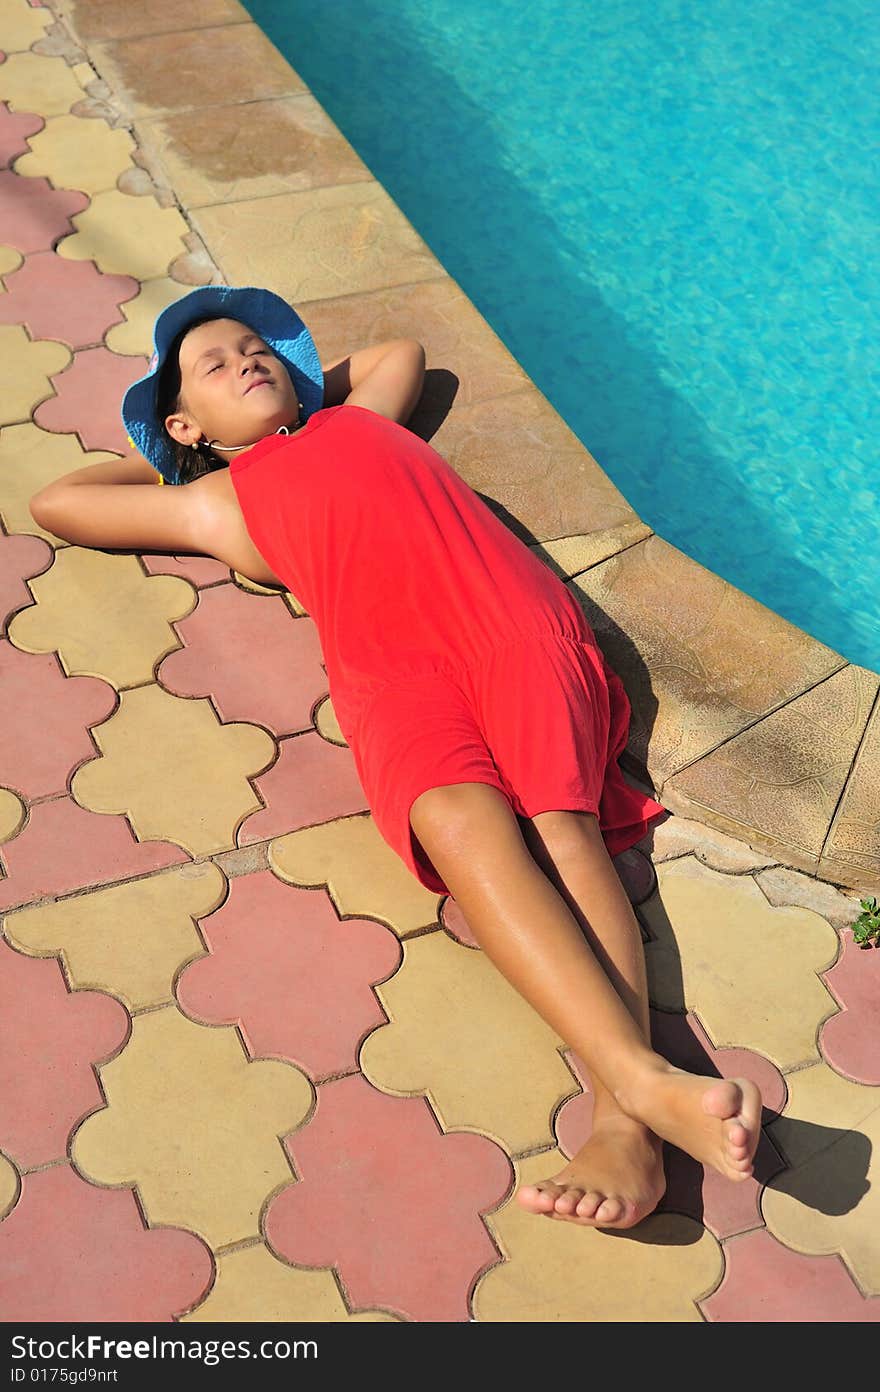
[{"x": 668, "y": 213}]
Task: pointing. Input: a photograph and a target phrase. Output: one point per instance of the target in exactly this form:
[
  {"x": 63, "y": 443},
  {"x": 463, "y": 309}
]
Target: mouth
[{"x": 261, "y": 382}]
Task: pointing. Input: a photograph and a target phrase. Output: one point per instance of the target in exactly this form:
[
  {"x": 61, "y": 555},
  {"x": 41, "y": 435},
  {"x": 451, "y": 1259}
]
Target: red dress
[{"x": 453, "y": 654}]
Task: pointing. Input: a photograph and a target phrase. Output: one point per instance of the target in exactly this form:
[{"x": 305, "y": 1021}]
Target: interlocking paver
[
  {"x": 23, "y": 26},
  {"x": 21, "y": 558},
  {"x": 198, "y": 570},
  {"x": 12, "y": 814},
  {"x": 326, "y": 723},
  {"x": 559, "y": 1271},
  {"x": 27, "y": 368},
  {"x": 102, "y": 615},
  {"x": 38, "y": 697},
  {"x": 362, "y": 873},
  {"x": 320, "y": 243},
  {"x": 135, "y": 334},
  {"x": 765, "y": 1281},
  {"x": 277, "y": 675},
  {"x": 15, "y": 127},
  {"x": 747, "y": 969},
  {"x": 10, "y": 1181},
  {"x": 70, "y": 1253},
  {"x": 100, "y": 938},
  {"x": 61, "y": 154},
  {"x": 678, "y": 836},
  {"x": 360, "y": 1202},
  {"x": 34, "y": 214},
  {"x": 194, "y": 1125},
  {"x": 829, "y": 1198},
  {"x": 253, "y": 1284},
  {"x": 848, "y": 1041},
  {"x": 264, "y": 944},
  {"x": 174, "y": 770},
  {"x": 50, "y": 1039},
  {"x": 87, "y": 397},
  {"x": 313, "y": 781},
  {"x": 64, "y": 848},
  {"x": 126, "y": 235},
  {"x": 30, "y": 459},
  {"x": 69, "y": 301},
  {"x": 10, "y": 260},
  {"x": 37, "y": 82},
  {"x": 462, "y": 1035}
]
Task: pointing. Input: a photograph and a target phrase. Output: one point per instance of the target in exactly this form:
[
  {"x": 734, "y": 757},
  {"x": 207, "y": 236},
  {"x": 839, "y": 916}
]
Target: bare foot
[
  {"x": 614, "y": 1181},
  {"x": 717, "y": 1121}
]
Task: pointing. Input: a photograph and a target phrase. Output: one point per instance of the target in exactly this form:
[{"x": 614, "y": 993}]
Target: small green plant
[{"x": 866, "y": 929}]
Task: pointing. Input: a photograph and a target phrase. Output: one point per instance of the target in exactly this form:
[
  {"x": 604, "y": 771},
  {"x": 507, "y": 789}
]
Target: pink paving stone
[
  {"x": 71, "y": 302},
  {"x": 254, "y": 659},
  {"x": 198, "y": 570},
  {"x": 72, "y": 1252},
  {"x": 88, "y": 398},
  {"x": 703, "y": 1194},
  {"x": 21, "y": 558},
  {"x": 766, "y": 1282},
  {"x": 312, "y": 781},
  {"x": 848, "y": 1040},
  {"x": 291, "y": 974},
  {"x": 15, "y": 127},
  {"x": 455, "y": 923},
  {"x": 49, "y": 1039},
  {"x": 391, "y": 1201},
  {"x": 33, "y": 215},
  {"x": 44, "y": 731},
  {"x": 64, "y": 847}
]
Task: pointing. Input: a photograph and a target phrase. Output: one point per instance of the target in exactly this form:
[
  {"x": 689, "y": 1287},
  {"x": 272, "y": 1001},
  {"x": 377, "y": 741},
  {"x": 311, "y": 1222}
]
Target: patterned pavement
[{"x": 251, "y": 1069}]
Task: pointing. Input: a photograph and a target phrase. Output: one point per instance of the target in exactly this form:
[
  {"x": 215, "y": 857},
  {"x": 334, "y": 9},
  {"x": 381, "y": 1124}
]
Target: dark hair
[{"x": 191, "y": 463}]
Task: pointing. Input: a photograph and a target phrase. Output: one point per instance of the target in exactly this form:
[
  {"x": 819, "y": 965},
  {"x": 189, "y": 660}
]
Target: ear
[{"x": 182, "y": 429}]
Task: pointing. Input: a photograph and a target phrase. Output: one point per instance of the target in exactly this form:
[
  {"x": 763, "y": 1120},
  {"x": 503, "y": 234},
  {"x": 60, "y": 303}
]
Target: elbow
[
  {"x": 38, "y": 507},
  {"x": 45, "y": 511}
]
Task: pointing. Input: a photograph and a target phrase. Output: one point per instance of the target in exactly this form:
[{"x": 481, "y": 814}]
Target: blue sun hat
[{"x": 264, "y": 312}]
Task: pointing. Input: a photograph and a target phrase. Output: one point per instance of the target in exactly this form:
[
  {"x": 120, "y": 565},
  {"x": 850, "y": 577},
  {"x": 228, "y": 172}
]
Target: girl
[{"x": 483, "y": 719}]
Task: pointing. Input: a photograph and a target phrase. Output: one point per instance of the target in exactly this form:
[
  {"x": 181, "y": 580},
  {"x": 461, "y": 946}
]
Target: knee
[{"x": 454, "y": 813}]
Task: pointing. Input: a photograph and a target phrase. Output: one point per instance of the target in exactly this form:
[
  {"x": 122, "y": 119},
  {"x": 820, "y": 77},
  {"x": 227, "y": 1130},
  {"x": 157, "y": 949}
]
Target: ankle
[{"x": 638, "y": 1089}]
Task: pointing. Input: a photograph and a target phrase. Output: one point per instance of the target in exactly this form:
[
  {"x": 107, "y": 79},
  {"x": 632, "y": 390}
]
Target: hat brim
[{"x": 266, "y": 313}]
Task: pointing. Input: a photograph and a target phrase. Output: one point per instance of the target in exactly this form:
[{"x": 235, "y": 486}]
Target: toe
[
  {"x": 722, "y": 1100},
  {"x": 539, "y": 1198},
  {"x": 610, "y": 1211},
  {"x": 589, "y": 1204},
  {"x": 569, "y": 1200}
]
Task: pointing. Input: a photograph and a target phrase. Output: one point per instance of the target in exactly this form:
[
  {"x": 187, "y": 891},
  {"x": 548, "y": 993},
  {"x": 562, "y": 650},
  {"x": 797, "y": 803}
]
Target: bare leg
[{"x": 523, "y": 923}]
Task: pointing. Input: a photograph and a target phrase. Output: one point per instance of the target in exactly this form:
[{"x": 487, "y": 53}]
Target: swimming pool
[{"x": 668, "y": 213}]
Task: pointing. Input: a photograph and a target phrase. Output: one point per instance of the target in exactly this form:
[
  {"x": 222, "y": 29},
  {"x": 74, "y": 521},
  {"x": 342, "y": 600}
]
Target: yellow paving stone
[
  {"x": 326, "y": 241},
  {"x": 829, "y": 1200},
  {"x": 126, "y": 236},
  {"x": 73, "y": 156},
  {"x": 326, "y": 723},
  {"x": 558, "y": 1271},
  {"x": 27, "y": 367},
  {"x": 174, "y": 770},
  {"x": 31, "y": 458},
  {"x": 21, "y": 26},
  {"x": 195, "y": 1125},
  {"x": 252, "y": 1284},
  {"x": 36, "y": 82},
  {"x": 298, "y": 610},
  {"x": 10, "y": 1182},
  {"x": 364, "y": 877},
  {"x": 10, "y": 260},
  {"x": 135, "y": 336},
  {"x": 130, "y": 940},
  {"x": 103, "y": 616},
  {"x": 571, "y": 555},
  {"x": 747, "y": 968},
  {"x": 462, "y": 1035},
  {"x": 11, "y": 814}
]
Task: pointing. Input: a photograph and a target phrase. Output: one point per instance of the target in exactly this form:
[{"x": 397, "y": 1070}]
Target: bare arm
[{"x": 387, "y": 378}]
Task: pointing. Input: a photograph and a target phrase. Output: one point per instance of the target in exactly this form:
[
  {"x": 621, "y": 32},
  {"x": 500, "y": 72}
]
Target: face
[{"x": 232, "y": 387}]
